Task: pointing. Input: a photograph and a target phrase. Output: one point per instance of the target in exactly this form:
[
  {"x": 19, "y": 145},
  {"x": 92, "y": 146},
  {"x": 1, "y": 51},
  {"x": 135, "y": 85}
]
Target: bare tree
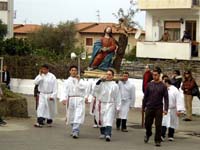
[{"x": 126, "y": 25}]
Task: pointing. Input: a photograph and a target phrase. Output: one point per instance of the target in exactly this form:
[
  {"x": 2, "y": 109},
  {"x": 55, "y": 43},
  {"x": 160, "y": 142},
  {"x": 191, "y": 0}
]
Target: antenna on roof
[
  {"x": 15, "y": 14},
  {"x": 98, "y": 15}
]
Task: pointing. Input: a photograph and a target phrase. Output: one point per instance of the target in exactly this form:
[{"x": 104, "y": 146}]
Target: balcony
[
  {"x": 166, "y": 4},
  {"x": 164, "y": 50}
]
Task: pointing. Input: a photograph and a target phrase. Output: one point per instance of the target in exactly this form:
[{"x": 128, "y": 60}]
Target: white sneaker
[
  {"x": 107, "y": 138},
  {"x": 162, "y": 139},
  {"x": 102, "y": 136},
  {"x": 170, "y": 139},
  {"x": 95, "y": 126},
  {"x": 75, "y": 135}
]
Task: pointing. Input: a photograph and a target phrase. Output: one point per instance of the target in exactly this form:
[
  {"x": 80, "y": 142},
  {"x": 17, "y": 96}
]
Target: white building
[
  {"x": 6, "y": 15},
  {"x": 176, "y": 16}
]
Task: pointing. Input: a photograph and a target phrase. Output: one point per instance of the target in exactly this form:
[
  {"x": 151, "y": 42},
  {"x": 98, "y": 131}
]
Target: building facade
[
  {"x": 87, "y": 34},
  {"x": 174, "y": 17},
  {"x": 6, "y": 15}
]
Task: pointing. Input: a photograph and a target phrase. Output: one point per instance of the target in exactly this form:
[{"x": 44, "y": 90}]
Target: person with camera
[{"x": 47, "y": 87}]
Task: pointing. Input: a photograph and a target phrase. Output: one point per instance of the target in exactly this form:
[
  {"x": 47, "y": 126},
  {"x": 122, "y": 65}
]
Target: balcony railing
[{"x": 164, "y": 50}]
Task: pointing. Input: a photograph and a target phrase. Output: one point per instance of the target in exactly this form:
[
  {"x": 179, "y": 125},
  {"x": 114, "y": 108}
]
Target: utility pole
[{"x": 98, "y": 15}]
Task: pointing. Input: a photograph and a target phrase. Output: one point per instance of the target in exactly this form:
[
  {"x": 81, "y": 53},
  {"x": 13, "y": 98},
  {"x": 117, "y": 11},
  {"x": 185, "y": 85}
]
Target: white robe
[
  {"x": 176, "y": 103},
  {"x": 127, "y": 91},
  {"x": 108, "y": 100},
  {"x": 74, "y": 92},
  {"x": 90, "y": 95},
  {"x": 47, "y": 86}
]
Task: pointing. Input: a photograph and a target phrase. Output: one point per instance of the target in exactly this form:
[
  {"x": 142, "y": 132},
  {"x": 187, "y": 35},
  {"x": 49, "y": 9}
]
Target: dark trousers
[
  {"x": 170, "y": 132},
  {"x": 36, "y": 102},
  {"x": 150, "y": 115},
  {"x": 121, "y": 123},
  {"x": 1, "y": 119},
  {"x": 95, "y": 121},
  {"x": 106, "y": 130},
  {"x": 41, "y": 121}
]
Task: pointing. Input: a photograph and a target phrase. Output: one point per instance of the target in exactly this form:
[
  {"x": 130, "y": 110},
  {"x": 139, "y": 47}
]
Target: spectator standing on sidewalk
[{"x": 187, "y": 86}]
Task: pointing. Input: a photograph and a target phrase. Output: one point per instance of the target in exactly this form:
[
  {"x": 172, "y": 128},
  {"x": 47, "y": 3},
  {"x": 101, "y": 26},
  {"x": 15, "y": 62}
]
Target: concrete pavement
[{"x": 20, "y": 134}]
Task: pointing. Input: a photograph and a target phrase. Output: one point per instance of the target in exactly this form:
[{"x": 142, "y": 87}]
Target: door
[{"x": 191, "y": 27}]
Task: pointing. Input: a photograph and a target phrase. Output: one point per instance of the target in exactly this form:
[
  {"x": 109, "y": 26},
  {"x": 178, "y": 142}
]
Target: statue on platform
[{"x": 103, "y": 51}]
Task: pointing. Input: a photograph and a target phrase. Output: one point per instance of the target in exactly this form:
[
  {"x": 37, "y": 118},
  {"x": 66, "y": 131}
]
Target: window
[
  {"x": 89, "y": 41},
  {"x": 195, "y": 2},
  {"x": 3, "y": 6},
  {"x": 173, "y": 28},
  {"x": 190, "y": 26}
]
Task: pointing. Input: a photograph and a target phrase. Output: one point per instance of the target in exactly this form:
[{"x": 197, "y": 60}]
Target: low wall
[
  {"x": 25, "y": 86},
  {"x": 164, "y": 50}
]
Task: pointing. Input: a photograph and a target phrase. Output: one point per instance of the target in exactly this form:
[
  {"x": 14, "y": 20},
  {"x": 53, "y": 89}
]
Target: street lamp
[{"x": 79, "y": 57}]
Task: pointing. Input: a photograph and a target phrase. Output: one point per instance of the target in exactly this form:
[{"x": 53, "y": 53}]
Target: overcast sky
[{"x": 54, "y": 11}]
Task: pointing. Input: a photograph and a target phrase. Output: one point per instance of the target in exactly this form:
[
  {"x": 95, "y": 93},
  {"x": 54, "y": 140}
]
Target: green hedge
[{"x": 26, "y": 67}]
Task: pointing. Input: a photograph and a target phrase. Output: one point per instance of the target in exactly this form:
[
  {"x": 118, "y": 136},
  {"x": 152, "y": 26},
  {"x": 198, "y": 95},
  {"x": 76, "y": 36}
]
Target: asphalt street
[{"x": 19, "y": 134}]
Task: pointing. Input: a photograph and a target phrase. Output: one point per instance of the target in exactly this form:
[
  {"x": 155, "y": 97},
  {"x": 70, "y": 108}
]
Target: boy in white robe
[
  {"x": 127, "y": 91},
  {"x": 108, "y": 101},
  {"x": 47, "y": 86},
  {"x": 73, "y": 96},
  {"x": 176, "y": 107}
]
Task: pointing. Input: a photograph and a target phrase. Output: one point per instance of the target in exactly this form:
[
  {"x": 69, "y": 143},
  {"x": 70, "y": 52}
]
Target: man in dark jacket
[{"x": 154, "y": 94}]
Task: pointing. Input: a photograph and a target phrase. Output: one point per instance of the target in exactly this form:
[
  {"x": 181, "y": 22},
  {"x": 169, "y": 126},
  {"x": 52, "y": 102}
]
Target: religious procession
[{"x": 111, "y": 95}]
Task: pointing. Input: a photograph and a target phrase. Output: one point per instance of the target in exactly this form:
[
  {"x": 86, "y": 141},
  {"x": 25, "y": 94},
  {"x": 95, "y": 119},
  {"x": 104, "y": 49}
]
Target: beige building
[
  {"x": 175, "y": 17},
  {"x": 6, "y": 15},
  {"x": 87, "y": 34}
]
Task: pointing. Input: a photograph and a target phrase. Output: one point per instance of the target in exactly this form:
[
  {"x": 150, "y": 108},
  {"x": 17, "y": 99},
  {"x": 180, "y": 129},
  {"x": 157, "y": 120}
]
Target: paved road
[{"x": 20, "y": 134}]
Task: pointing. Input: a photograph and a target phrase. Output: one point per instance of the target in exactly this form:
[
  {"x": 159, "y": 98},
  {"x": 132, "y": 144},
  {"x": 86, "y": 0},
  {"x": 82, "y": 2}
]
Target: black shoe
[
  {"x": 108, "y": 138},
  {"x": 3, "y": 123},
  {"x": 146, "y": 139},
  {"x": 187, "y": 119},
  {"x": 157, "y": 144}
]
